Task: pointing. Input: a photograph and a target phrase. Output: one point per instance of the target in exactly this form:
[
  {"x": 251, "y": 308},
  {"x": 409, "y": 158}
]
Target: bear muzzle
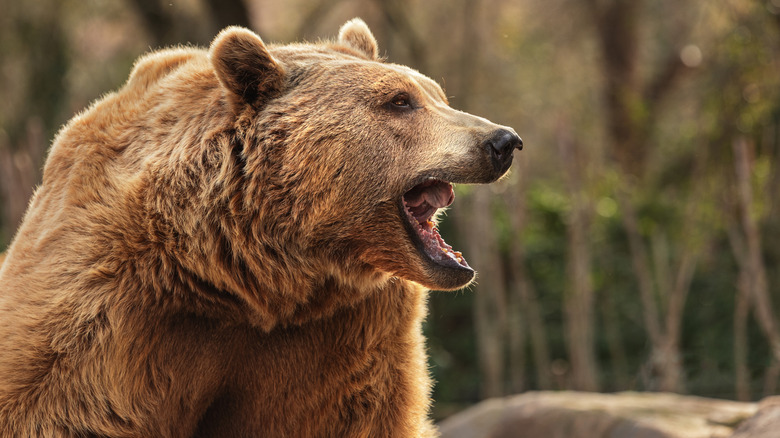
[{"x": 446, "y": 268}]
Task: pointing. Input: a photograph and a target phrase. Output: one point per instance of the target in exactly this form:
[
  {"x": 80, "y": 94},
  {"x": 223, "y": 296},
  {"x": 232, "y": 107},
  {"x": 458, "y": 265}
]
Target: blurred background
[{"x": 636, "y": 242}]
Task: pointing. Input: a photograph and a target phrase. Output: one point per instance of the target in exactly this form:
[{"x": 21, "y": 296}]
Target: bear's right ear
[{"x": 245, "y": 67}]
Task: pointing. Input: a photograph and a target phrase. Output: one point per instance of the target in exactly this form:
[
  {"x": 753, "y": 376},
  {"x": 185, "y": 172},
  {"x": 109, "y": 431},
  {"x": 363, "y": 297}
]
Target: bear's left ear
[
  {"x": 356, "y": 35},
  {"x": 245, "y": 67}
]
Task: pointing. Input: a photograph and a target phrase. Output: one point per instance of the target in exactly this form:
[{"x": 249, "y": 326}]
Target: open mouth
[{"x": 420, "y": 204}]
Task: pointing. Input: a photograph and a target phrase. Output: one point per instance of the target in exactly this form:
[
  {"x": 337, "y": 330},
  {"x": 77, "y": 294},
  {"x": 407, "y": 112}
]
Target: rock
[
  {"x": 765, "y": 424},
  {"x": 571, "y": 414}
]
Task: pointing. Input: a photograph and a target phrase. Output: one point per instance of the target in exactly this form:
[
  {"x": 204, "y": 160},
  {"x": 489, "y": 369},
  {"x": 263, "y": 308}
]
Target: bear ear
[
  {"x": 245, "y": 67},
  {"x": 356, "y": 35}
]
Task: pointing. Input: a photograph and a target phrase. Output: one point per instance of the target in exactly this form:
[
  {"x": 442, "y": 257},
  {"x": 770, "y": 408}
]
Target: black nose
[{"x": 502, "y": 143}]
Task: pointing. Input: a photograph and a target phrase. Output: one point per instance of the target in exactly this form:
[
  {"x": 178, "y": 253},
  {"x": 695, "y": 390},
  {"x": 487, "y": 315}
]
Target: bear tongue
[
  {"x": 437, "y": 194},
  {"x": 440, "y": 196}
]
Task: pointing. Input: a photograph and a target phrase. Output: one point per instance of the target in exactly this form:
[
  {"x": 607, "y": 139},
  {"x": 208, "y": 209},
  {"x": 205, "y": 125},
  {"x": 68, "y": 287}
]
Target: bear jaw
[{"x": 446, "y": 268}]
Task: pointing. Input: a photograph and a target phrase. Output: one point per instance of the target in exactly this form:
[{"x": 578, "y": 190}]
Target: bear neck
[{"x": 257, "y": 272}]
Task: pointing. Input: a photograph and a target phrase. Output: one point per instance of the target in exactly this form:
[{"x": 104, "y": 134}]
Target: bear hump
[{"x": 153, "y": 66}]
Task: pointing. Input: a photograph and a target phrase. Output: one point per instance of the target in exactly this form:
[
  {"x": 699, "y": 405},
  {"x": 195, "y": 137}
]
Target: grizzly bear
[{"x": 239, "y": 243}]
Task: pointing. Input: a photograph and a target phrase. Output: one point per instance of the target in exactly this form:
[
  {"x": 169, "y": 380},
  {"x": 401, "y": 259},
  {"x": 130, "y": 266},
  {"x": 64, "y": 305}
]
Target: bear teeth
[{"x": 433, "y": 244}]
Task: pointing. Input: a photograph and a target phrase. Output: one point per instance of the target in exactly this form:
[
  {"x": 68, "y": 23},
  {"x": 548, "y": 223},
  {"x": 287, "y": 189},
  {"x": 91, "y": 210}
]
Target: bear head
[{"x": 346, "y": 159}]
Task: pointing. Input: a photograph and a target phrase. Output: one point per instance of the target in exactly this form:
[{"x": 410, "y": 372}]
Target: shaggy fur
[{"x": 217, "y": 249}]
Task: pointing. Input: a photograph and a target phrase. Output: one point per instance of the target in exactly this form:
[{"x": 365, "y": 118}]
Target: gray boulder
[{"x": 569, "y": 414}]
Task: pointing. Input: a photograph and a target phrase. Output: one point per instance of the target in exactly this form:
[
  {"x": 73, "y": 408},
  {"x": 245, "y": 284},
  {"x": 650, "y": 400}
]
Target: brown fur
[{"x": 216, "y": 250}]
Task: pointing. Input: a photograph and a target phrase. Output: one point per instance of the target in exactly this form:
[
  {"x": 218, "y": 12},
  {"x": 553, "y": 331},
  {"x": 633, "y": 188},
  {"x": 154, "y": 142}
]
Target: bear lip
[{"x": 420, "y": 203}]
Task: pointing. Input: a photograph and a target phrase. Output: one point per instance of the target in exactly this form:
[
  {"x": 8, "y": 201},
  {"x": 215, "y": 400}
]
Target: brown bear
[{"x": 239, "y": 243}]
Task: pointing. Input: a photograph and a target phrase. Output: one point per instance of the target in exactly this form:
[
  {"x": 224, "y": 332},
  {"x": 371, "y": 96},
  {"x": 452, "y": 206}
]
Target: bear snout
[{"x": 500, "y": 145}]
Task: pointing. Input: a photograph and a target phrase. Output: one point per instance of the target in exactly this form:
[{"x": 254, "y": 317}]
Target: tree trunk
[
  {"x": 532, "y": 310},
  {"x": 665, "y": 371},
  {"x": 674, "y": 375},
  {"x": 641, "y": 265},
  {"x": 170, "y": 23},
  {"x": 617, "y": 352},
  {"x": 741, "y": 310},
  {"x": 315, "y": 13},
  {"x": 228, "y": 12},
  {"x": 490, "y": 303},
  {"x": 578, "y": 299},
  {"x": 741, "y": 313},
  {"x": 156, "y": 20},
  {"x": 770, "y": 378},
  {"x": 753, "y": 265},
  {"x": 397, "y": 18},
  {"x": 631, "y": 104},
  {"x": 517, "y": 334},
  {"x": 527, "y": 311}
]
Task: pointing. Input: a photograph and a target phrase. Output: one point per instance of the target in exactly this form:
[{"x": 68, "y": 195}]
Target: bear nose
[
  {"x": 501, "y": 145},
  {"x": 505, "y": 141}
]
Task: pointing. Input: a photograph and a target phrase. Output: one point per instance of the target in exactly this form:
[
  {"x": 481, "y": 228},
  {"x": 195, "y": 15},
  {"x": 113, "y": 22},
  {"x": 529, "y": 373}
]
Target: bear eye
[{"x": 401, "y": 101}]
